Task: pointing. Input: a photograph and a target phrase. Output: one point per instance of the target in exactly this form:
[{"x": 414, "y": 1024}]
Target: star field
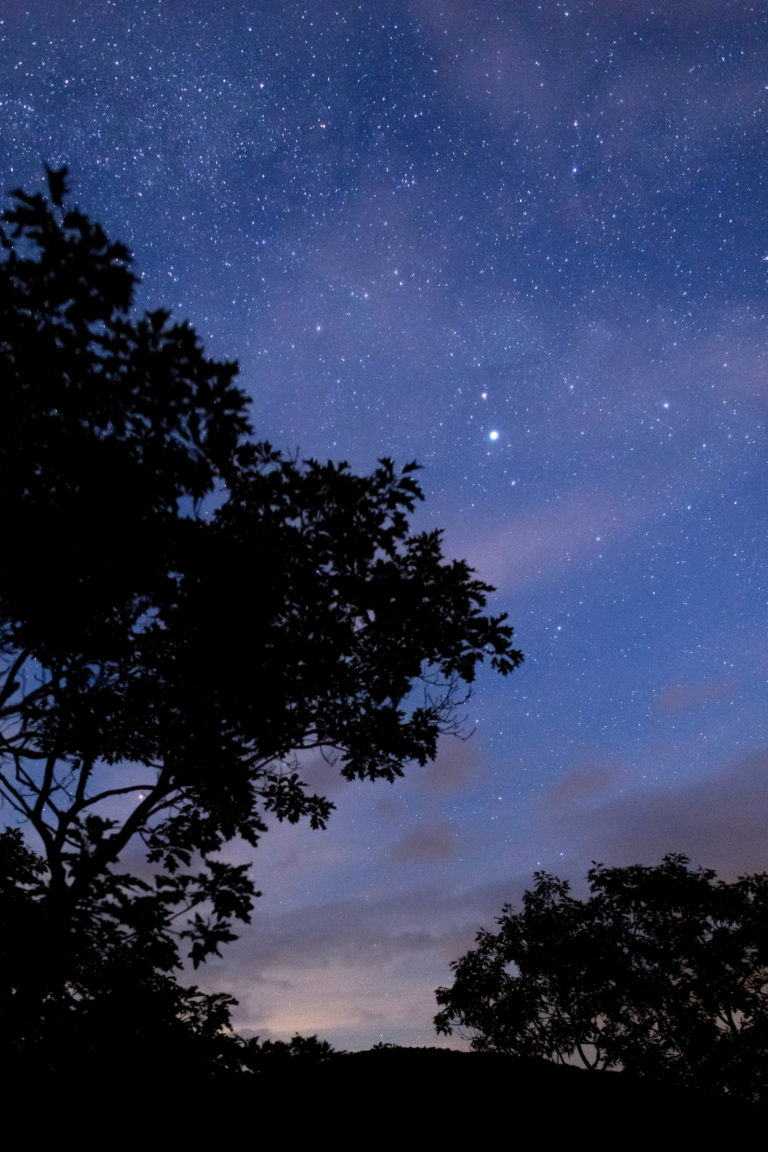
[{"x": 524, "y": 244}]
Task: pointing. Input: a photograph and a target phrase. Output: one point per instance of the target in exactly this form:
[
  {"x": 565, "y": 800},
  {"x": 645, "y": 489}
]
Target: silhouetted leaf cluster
[{"x": 278, "y": 1057}]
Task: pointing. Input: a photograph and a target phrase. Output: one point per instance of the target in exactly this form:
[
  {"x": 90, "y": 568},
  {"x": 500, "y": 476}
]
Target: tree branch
[{"x": 11, "y": 685}]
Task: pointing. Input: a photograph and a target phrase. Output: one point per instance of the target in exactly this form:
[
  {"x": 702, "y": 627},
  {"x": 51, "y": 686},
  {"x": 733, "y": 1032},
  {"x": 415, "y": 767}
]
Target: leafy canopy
[
  {"x": 662, "y": 971},
  {"x": 183, "y": 610}
]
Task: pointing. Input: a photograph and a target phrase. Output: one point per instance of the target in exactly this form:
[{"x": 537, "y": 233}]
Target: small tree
[
  {"x": 663, "y": 971},
  {"x": 183, "y": 611}
]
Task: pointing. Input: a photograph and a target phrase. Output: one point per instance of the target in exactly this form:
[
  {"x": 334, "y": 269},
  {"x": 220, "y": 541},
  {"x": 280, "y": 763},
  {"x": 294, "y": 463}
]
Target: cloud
[
  {"x": 720, "y": 821},
  {"x": 681, "y": 697},
  {"x": 535, "y": 547},
  {"x": 457, "y": 766},
  {"x": 582, "y": 788},
  {"x": 394, "y": 931},
  {"x": 427, "y": 843},
  {"x": 355, "y": 970}
]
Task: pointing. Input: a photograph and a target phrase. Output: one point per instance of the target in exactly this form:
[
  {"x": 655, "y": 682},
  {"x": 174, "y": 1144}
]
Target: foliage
[
  {"x": 272, "y": 1056},
  {"x": 183, "y": 611},
  {"x": 662, "y": 971},
  {"x": 106, "y": 999}
]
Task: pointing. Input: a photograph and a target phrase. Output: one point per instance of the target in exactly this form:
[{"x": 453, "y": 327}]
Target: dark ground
[{"x": 404, "y": 1095}]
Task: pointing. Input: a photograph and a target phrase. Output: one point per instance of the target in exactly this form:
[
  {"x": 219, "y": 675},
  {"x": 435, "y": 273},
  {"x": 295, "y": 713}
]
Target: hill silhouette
[{"x": 407, "y": 1094}]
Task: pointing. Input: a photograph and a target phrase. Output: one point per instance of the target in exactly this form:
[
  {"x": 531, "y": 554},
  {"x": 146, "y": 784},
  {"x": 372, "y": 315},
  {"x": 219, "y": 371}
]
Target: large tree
[
  {"x": 662, "y": 971},
  {"x": 184, "y": 609}
]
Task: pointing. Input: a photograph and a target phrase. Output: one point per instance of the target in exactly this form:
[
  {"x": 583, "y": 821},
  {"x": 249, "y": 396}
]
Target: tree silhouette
[
  {"x": 113, "y": 1012},
  {"x": 183, "y": 610},
  {"x": 663, "y": 972},
  {"x": 276, "y": 1056}
]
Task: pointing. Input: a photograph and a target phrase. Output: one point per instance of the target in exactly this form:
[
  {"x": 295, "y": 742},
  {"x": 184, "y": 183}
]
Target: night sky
[{"x": 526, "y": 245}]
